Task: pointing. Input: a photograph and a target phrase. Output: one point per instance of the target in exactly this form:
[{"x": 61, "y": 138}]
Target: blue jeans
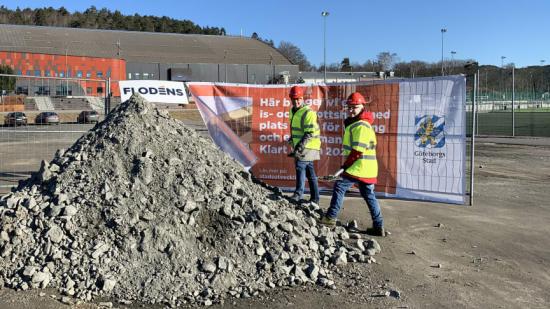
[
  {"x": 367, "y": 191},
  {"x": 303, "y": 169}
]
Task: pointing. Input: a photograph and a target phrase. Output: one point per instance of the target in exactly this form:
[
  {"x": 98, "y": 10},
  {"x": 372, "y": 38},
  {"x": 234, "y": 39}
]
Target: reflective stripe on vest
[
  {"x": 299, "y": 125},
  {"x": 367, "y": 165}
]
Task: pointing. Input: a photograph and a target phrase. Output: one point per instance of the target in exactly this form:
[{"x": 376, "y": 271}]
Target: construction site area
[
  {"x": 157, "y": 168},
  {"x": 176, "y": 222}
]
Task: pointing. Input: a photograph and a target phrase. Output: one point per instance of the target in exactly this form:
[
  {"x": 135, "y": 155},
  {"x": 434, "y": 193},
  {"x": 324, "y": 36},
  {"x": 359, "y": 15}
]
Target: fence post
[
  {"x": 107, "y": 96},
  {"x": 477, "y": 95},
  {"x": 513, "y": 101},
  {"x": 472, "y": 141}
]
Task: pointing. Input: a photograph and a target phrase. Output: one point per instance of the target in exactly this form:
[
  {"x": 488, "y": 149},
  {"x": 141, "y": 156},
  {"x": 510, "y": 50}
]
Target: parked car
[
  {"x": 15, "y": 119},
  {"x": 47, "y": 118},
  {"x": 88, "y": 117}
]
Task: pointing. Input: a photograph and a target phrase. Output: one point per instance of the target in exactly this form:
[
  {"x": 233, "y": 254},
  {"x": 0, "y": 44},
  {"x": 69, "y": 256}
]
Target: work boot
[
  {"x": 376, "y": 231},
  {"x": 313, "y": 205},
  {"x": 330, "y": 222},
  {"x": 295, "y": 198}
]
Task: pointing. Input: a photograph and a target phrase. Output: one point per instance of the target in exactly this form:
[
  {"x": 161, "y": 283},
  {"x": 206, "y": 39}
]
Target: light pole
[
  {"x": 542, "y": 61},
  {"x": 502, "y": 74},
  {"x": 513, "y": 100},
  {"x": 324, "y": 14},
  {"x": 443, "y": 30}
]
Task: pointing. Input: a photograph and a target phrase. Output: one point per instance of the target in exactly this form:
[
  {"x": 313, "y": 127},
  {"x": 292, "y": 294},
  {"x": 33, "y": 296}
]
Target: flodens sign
[{"x": 157, "y": 91}]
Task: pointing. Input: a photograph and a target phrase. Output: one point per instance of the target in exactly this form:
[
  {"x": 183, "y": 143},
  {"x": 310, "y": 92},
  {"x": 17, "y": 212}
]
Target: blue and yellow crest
[{"x": 430, "y": 131}]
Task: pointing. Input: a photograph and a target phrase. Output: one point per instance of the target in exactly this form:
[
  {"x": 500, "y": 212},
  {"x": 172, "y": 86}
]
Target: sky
[{"x": 483, "y": 30}]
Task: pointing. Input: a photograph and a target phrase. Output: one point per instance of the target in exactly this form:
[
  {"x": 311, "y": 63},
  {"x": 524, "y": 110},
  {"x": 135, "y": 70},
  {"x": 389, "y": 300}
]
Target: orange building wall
[{"x": 57, "y": 65}]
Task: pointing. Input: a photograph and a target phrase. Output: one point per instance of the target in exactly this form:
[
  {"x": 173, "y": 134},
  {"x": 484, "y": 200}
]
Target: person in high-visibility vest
[
  {"x": 360, "y": 167},
  {"x": 306, "y": 145}
]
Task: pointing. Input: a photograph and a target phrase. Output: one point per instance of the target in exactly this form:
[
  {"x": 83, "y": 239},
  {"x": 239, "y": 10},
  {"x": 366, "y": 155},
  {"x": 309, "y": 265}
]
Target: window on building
[
  {"x": 79, "y": 74},
  {"x": 18, "y": 72},
  {"x": 129, "y": 75},
  {"x": 61, "y": 74},
  {"x": 47, "y": 73},
  {"x": 99, "y": 74},
  {"x": 88, "y": 90},
  {"x": 88, "y": 74},
  {"x": 108, "y": 74},
  {"x": 99, "y": 90},
  {"x": 152, "y": 75},
  {"x": 22, "y": 90},
  {"x": 145, "y": 75},
  {"x": 137, "y": 76},
  {"x": 29, "y": 72}
]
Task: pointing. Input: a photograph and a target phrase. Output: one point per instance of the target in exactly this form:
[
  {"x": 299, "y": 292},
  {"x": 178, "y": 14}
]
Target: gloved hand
[{"x": 299, "y": 148}]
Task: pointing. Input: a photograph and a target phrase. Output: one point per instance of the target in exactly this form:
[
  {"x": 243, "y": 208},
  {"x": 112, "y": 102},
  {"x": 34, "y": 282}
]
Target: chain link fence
[
  {"x": 30, "y": 133},
  {"x": 509, "y": 113}
]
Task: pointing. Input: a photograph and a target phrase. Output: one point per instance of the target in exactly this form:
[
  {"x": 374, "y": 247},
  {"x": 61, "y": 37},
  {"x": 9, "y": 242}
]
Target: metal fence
[
  {"x": 24, "y": 142},
  {"x": 39, "y": 93},
  {"x": 509, "y": 113}
]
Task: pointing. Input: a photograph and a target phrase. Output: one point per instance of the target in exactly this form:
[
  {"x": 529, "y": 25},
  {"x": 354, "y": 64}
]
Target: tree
[
  {"x": 102, "y": 19},
  {"x": 256, "y": 36},
  {"x": 345, "y": 65},
  {"x": 294, "y": 55},
  {"x": 6, "y": 82},
  {"x": 387, "y": 60}
]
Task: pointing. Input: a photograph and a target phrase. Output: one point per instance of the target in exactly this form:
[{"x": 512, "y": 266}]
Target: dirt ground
[{"x": 495, "y": 254}]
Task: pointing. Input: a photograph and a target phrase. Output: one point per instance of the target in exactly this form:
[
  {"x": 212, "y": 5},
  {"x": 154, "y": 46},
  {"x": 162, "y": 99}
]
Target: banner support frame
[{"x": 472, "y": 146}]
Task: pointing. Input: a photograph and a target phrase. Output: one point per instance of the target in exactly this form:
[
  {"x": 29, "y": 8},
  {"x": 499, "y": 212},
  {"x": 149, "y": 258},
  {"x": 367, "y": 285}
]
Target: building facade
[{"x": 69, "y": 61}]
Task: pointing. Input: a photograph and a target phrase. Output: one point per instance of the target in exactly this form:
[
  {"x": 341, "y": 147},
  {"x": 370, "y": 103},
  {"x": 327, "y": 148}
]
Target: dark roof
[{"x": 147, "y": 47}]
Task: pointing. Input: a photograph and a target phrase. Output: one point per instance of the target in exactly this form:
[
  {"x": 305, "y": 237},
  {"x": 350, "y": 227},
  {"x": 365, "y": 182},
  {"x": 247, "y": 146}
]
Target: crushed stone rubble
[{"x": 142, "y": 208}]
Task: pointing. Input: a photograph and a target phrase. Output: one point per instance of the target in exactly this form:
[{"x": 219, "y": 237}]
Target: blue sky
[{"x": 483, "y": 30}]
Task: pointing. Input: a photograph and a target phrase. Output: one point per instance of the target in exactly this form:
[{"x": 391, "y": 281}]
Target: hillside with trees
[
  {"x": 92, "y": 18},
  {"x": 495, "y": 82}
]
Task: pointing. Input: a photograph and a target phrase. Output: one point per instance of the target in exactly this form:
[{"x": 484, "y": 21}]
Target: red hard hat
[
  {"x": 296, "y": 92},
  {"x": 356, "y": 99}
]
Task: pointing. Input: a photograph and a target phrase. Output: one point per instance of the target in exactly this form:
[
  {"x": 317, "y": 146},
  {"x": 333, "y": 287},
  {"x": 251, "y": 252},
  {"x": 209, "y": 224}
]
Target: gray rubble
[{"x": 142, "y": 208}]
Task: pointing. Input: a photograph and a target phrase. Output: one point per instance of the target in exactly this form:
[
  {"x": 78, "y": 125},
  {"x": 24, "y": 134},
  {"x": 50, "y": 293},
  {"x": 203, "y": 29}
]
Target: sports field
[{"x": 527, "y": 123}]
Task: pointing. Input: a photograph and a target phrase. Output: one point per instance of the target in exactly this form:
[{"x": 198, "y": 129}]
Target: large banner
[{"x": 420, "y": 126}]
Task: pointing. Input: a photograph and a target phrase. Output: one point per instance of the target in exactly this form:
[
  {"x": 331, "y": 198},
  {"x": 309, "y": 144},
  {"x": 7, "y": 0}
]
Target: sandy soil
[{"x": 495, "y": 254}]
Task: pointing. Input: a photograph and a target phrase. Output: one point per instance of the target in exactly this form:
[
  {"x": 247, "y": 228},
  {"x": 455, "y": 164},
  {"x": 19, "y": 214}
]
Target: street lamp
[
  {"x": 324, "y": 14},
  {"x": 502, "y": 75},
  {"x": 542, "y": 61},
  {"x": 443, "y": 30}
]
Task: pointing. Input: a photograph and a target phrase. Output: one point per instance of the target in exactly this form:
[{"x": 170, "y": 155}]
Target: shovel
[{"x": 334, "y": 177}]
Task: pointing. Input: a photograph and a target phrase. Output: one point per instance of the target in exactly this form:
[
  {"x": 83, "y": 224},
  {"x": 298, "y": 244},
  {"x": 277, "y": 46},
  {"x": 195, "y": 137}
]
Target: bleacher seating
[
  {"x": 40, "y": 103},
  {"x": 96, "y": 103},
  {"x": 72, "y": 103},
  {"x": 30, "y": 104}
]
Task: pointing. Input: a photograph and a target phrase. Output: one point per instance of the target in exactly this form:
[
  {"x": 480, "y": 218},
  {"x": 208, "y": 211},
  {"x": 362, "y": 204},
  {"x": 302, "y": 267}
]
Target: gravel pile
[{"x": 143, "y": 208}]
